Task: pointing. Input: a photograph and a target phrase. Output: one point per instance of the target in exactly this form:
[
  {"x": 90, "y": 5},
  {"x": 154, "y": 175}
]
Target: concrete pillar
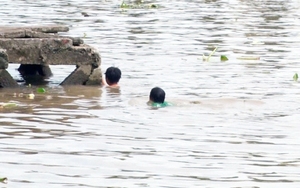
[{"x": 5, "y": 78}]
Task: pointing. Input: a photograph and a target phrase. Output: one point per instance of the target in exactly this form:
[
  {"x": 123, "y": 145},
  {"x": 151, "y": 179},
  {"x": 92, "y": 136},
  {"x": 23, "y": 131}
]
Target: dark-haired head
[
  {"x": 157, "y": 95},
  {"x": 112, "y": 75}
]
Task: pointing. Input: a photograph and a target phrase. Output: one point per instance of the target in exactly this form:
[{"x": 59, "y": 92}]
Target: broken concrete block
[
  {"x": 95, "y": 78},
  {"x": 4, "y": 30},
  {"x": 79, "y": 76},
  {"x": 6, "y": 80},
  {"x": 37, "y": 47},
  {"x": 49, "y": 51},
  {"x": 76, "y": 55},
  {"x": 3, "y": 59}
]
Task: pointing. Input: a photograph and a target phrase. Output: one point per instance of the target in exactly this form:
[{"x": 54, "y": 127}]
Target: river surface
[{"x": 233, "y": 124}]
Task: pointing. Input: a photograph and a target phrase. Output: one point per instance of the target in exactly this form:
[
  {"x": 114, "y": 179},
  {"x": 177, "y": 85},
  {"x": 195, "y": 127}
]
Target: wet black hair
[
  {"x": 157, "y": 95},
  {"x": 113, "y": 75}
]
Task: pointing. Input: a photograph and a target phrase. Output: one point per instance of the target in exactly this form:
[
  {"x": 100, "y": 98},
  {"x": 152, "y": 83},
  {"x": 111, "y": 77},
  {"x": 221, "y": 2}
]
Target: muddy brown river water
[{"x": 234, "y": 124}]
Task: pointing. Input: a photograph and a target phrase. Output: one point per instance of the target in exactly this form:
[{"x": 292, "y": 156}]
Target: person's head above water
[
  {"x": 112, "y": 76},
  {"x": 157, "y": 95}
]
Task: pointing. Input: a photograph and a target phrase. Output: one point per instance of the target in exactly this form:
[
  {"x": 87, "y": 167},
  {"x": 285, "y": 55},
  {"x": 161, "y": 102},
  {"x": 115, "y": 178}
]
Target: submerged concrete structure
[{"x": 35, "y": 48}]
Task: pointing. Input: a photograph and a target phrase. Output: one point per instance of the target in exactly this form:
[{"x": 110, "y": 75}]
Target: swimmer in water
[
  {"x": 112, "y": 77},
  {"x": 157, "y": 98}
]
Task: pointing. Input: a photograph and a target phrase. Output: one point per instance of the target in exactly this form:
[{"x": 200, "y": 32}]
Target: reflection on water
[{"x": 235, "y": 123}]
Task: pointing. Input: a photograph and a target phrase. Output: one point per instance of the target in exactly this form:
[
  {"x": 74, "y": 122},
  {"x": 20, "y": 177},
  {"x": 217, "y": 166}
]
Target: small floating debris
[
  {"x": 85, "y": 14},
  {"x": 31, "y": 96},
  {"x": 248, "y": 58},
  {"x": 40, "y": 90},
  {"x": 138, "y": 6},
  {"x": 224, "y": 58},
  {"x": 3, "y": 180},
  {"x": 256, "y": 42},
  {"x": 295, "y": 77},
  {"x": 221, "y": 58}
]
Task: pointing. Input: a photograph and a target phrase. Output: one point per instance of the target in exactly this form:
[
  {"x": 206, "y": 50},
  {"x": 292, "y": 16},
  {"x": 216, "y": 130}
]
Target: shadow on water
[{"x": 69, "y": 97}]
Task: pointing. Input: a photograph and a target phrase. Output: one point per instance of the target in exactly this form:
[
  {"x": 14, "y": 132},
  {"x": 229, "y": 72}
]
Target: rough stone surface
[
  {"x": 38, "y": 32},
  {"x": 3, "y": 54},
  {"x": 76, "y": 41},
  {"x": 37, "y": 47},
  {"x": 6, "y": 80},
  {"x": 49, "y": 28},
  {"x": 95, "y": 78},
  {"x": 46, "y": 71},
  {"x": 76, "y": 55},
  {"x": 3, "y": 63},
  {"x": 79, "y": 76},
  {"x": 20, "y": 32},
  {"x": 3, "y": 59},
  {"x": 50, "y": 51}
]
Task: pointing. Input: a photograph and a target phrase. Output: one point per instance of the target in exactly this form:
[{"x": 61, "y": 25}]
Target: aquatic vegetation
[
  {"x": 212, "y": 53},
  {"x": 295, "y": 77},
  {"x": 8, "y": 105},
  {"x": 40, "y": 90},
  {"x": 222, "y": 57},
  {"x": 139, "y": 5},
  {"x": 3, "y": 180}
]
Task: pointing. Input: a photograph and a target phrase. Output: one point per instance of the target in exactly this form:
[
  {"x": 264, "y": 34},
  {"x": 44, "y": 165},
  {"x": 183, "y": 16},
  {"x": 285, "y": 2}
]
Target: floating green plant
[
  {"x": 295, "y": 77},
  {"x": 137, "y": 6},
  {"x": 40, "y": 90},
  {"x": 153, "y": 6},
  {"x": 3, "y": 180},
  {"x": 222, "y": 58}
]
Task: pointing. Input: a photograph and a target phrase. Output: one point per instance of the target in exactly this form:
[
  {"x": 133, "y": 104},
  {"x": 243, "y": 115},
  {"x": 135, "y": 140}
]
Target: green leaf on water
[
  {"x": 3, "y": 180},
  {"x": 295, "y": 77},
  {"x": 40, "y": 90},
  {"x": 224, "y": 58}
]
